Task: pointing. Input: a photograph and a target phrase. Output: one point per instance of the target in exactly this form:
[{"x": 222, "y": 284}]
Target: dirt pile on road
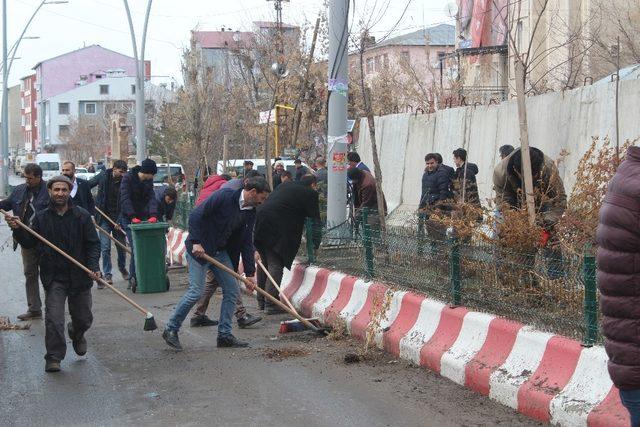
[
  {"x": 6, "y": 325},
  {"x": 280, "y": 354}
]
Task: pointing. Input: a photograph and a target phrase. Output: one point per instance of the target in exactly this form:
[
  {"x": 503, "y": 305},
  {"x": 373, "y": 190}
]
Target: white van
[
  {"x": 258, "y": 164},
  {"x": 51, "y": 165}
]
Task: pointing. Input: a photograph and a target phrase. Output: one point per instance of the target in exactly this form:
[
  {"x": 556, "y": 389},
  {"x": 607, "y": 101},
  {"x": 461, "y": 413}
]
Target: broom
[
  {"x": 113, "y": 239},
  {"x": 149, "y": 322},
  {"x": 267, "y": 295}
]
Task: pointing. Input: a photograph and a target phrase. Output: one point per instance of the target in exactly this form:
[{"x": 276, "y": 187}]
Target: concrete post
[
  {"x": 336, "y": 135},
  {"x": 4, "y": 161}
]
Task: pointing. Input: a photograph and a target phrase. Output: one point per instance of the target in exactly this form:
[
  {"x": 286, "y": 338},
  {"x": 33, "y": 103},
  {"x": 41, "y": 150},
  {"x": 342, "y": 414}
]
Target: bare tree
[{"x": 87, "y": 137}]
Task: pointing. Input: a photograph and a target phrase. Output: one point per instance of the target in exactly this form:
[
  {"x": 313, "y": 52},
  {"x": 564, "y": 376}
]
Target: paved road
[{"x": 130, "y": 376}]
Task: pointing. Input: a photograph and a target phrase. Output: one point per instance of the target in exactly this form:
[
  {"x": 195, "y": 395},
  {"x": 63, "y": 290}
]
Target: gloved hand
[
  {"x": 544, "y": 238},
  {"x": 152, "y": 220},
  {"x": 136, "y": 221}
]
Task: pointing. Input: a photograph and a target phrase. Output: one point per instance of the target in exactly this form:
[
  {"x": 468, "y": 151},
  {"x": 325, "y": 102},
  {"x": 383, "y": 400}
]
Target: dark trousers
[
  {"x": 80, "y": 310},
  {"x": 631, "y": 401},
  {"x": 273, "y": 263},
  {"x": 32, "y": 284},
  {"x": 209, "y": 289},
  {"x": 105, "y": 247},
  {"x": 124, "y": 223}
]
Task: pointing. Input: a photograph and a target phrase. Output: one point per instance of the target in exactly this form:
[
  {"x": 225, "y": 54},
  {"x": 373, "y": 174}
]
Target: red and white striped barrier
[
  {"x": 544, "y": 376},
  {"x": 176, "y": 249}
]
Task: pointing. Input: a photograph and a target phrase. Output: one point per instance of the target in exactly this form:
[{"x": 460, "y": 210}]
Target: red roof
[
  {"x": 222, "y": 39},
  {"x": 270, "y": 24}
]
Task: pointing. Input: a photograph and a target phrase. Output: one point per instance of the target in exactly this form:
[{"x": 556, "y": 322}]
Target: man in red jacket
[
  {"x": 200, "y": 318},
  {"x": 618, "y": 239}
]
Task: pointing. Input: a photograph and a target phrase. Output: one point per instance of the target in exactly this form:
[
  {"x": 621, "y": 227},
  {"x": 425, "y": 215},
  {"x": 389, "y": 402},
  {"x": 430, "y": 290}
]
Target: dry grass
[
  {"x": 339, "y": 330},
  {"x": 6, "y": 325}
]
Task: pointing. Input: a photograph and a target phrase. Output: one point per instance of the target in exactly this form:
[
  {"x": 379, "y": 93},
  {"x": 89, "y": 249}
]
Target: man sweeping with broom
[{"x": 71, "y": 229}]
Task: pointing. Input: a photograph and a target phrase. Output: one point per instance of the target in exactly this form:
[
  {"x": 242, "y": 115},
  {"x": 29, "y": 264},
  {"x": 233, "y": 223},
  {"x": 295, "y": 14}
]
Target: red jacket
[{"x": 214, "y": 182}]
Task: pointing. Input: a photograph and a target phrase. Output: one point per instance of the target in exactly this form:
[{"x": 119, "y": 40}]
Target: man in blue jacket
[
  {"x": 436, "y": 184},
  {"x": 25, "y": 202},
  {"x": 221, "y": 227},
  {"x": 108, "y": 201},
  {"x": 138, "y": 202}
]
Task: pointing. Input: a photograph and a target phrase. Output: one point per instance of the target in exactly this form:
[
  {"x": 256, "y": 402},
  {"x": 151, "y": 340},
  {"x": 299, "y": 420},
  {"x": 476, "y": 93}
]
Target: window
[
  {"x": 90, "y": 108},
  {"x": 133, "y": 89},
  {"x": 378, "y": 63},
  {"x": 63, "y": 130},
  {"x": 104, "y": 89},
  {"x": 63, "y": 108},
  {"x": 369, "y": 66},
  {"x": 405, "y": 56},
  {"x": 24, "y": 120}
]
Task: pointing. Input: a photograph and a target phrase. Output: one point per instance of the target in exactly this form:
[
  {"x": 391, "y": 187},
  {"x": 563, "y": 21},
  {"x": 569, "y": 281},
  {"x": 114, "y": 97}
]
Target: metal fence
[{"x": 551, "y": 290}]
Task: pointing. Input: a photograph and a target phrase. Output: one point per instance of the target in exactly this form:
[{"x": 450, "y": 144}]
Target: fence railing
[{"x": 551, "y": 290}]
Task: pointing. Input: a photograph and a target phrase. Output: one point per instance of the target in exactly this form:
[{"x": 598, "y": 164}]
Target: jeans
[
  {"x": 32, "y": 284},
  {"x": 124, "y": 223},
  {"x": 631, "y": 401},
  {"x": 81, "y": 317},
  {"x": 197, "y": 275},
  {"x": 105, "y": 248},
  {"x": 209, "y": 290}
]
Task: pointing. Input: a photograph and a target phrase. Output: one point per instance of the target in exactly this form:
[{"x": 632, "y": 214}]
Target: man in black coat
[
  {"x": 71, "y": 229},
  {"x": 166, "y": 198},
  {"x": 81, "y": 191},
  {"x": 25, "y": 202},
  {"x": 436, "y": 183},
  {"x": 278, "y": 232},
  {"x": 108, "y": 201},
  {"x": 138, "y": 203}
]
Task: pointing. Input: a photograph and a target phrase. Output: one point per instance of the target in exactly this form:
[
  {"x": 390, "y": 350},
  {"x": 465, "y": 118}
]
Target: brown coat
[
  {"x": 551, "y": 199},
  {"x": 618, "y": 263},
  {"x": 367, "y": 195}
]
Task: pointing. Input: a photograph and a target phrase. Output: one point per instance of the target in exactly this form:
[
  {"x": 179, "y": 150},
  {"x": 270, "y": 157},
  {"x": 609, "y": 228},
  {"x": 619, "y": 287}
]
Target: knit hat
[
  {"x": 149, "y": 166},
  {"x": 59, "y": 178}
]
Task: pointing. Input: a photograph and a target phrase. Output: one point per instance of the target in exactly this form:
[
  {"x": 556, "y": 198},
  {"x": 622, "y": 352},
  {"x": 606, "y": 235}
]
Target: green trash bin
[{"x": 149, "y": 249}]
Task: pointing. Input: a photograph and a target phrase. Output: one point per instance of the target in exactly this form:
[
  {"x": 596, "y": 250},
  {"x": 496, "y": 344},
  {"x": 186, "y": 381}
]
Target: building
[
  {"x": 418, "y": 62},
  {"x": 28, "y": 111},
  {"x": 15, "y": 121},
  {"x": 565, "y": 43},
  {"x": 66, "y": 72}
]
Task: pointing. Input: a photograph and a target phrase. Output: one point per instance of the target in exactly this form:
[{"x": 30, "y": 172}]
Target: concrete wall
[{"x": 557, "y": 121}]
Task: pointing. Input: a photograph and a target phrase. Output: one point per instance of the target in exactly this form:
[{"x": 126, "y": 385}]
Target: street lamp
[{"x": 6, "y": 68}]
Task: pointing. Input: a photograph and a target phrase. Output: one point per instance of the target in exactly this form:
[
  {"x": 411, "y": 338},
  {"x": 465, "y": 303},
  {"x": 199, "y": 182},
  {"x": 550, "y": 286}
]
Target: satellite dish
[{"x": 451, "y": 10}]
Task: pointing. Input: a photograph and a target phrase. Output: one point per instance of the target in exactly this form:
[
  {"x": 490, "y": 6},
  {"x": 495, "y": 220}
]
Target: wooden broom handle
[
  {"x": 113, "y": 239},
  {"x": 273, "y": 282},
  {"x": 265, "y": 294},
  {"x": 107, "y": 217},
  {"x": 79, "y": 265}
]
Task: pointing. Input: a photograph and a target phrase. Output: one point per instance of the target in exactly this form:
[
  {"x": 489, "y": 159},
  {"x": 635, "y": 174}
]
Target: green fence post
[
  {"x": 367, "y": 242},
  {"x": 590, "y": 298},
  {"x": 421, "y": 233},
  {"x": 454, "y": 271},
  {"x": 311, "y": 256}
]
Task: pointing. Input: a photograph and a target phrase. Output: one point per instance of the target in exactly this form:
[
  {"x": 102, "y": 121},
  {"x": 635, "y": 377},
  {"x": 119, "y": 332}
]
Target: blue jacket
[
  {"x": 165, "y": 211},
  {"x": 436, "y": 187},
  {"x": 212, "y": 224},
  {"x": 137, "y": 199},
  {"x": 15, "y": 202}
]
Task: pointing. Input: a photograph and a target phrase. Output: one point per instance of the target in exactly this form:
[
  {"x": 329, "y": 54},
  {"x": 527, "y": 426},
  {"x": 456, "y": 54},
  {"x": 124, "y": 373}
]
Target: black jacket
[
  {"x": 137, "y": 199},
  {"x": 219, "y": 224},
  {"x": 281, "y": 218},
  {"x": 75, "y": 234},
  {"x": 471, "y": 188},
  {"x": 165, "y": 211},
  {"x": 436, "y": 187},
  {"x": 300, "y": 172},
  {"x": 16, "y": 201},
  {"x": 84, "y": 198},
  {"x": 103, "y": 181}
]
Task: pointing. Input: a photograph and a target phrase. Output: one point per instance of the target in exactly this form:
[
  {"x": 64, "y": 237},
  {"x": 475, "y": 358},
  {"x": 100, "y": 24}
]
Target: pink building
[
  {"x": 68, "y": 71},
  {"x": 28, "y": 113}
]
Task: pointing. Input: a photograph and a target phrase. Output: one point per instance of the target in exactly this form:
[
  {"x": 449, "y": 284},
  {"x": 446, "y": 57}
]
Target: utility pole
[
  {"x": 337, "y": 131},
  {"x": 141, "y": 141},
  {"x": 4, "y": 161}
]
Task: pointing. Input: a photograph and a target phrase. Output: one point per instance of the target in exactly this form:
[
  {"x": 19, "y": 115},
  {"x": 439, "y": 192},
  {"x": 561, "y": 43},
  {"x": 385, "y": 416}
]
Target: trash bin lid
[{"x": 149, "y": 226}]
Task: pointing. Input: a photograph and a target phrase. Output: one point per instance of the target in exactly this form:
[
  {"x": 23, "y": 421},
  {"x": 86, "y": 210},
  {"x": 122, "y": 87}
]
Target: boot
[
  {"x": 248, "y": 320},
  {"x": 52, "y": 366},
  {"x": 79, "y": 344},
  {"x": 171, "y": 338},
  {"x": 198, "y": 321},
  {"x": 30, "y": 315},
  {"x": 231, "y": 341}
]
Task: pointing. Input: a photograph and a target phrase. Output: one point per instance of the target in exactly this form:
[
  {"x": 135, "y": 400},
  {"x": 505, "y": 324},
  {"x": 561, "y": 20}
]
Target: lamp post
[
  {"x": 6, "y": 68},
  {"x": 141, "y": 142}
]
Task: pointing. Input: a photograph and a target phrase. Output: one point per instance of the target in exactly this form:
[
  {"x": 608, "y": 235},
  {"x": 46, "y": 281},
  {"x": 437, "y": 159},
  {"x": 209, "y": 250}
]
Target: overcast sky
[{"x": 66, "y": 27}]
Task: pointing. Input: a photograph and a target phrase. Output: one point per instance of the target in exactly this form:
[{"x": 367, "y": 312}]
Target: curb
[{"x": 544, "y": 376}]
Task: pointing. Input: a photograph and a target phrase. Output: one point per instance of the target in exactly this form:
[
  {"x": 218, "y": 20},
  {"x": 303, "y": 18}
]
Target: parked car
[
  {"x": 51, "y": 165},
  {"x": 84, "y": 173},
  {"x": 168, "y": 173},
  {"x": 258, "y": 164}
]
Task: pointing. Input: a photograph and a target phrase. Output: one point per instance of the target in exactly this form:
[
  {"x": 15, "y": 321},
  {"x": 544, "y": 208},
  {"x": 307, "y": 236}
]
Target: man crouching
[{"x": 71, "y": 229}]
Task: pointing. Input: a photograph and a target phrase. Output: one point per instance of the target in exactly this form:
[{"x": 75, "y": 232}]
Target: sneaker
[
  {"x": 198, "y": 321},
  {"x": 231, "y": 341},
  {"x": 52, "y": 366},
  {"x": 171, "y": 338},
  {"x": 248, "y": 320},
  {"x": 79, "y": 344},
  {"x": 30, "y": 315},
  {"x": 125, "y": 274}
]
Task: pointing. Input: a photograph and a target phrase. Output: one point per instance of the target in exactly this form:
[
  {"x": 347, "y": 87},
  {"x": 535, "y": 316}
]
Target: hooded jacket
[
  {"x": 618, "y": 261},
  {"x": 471, "y": 195},
  {"x": 214, "y": 182}
]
